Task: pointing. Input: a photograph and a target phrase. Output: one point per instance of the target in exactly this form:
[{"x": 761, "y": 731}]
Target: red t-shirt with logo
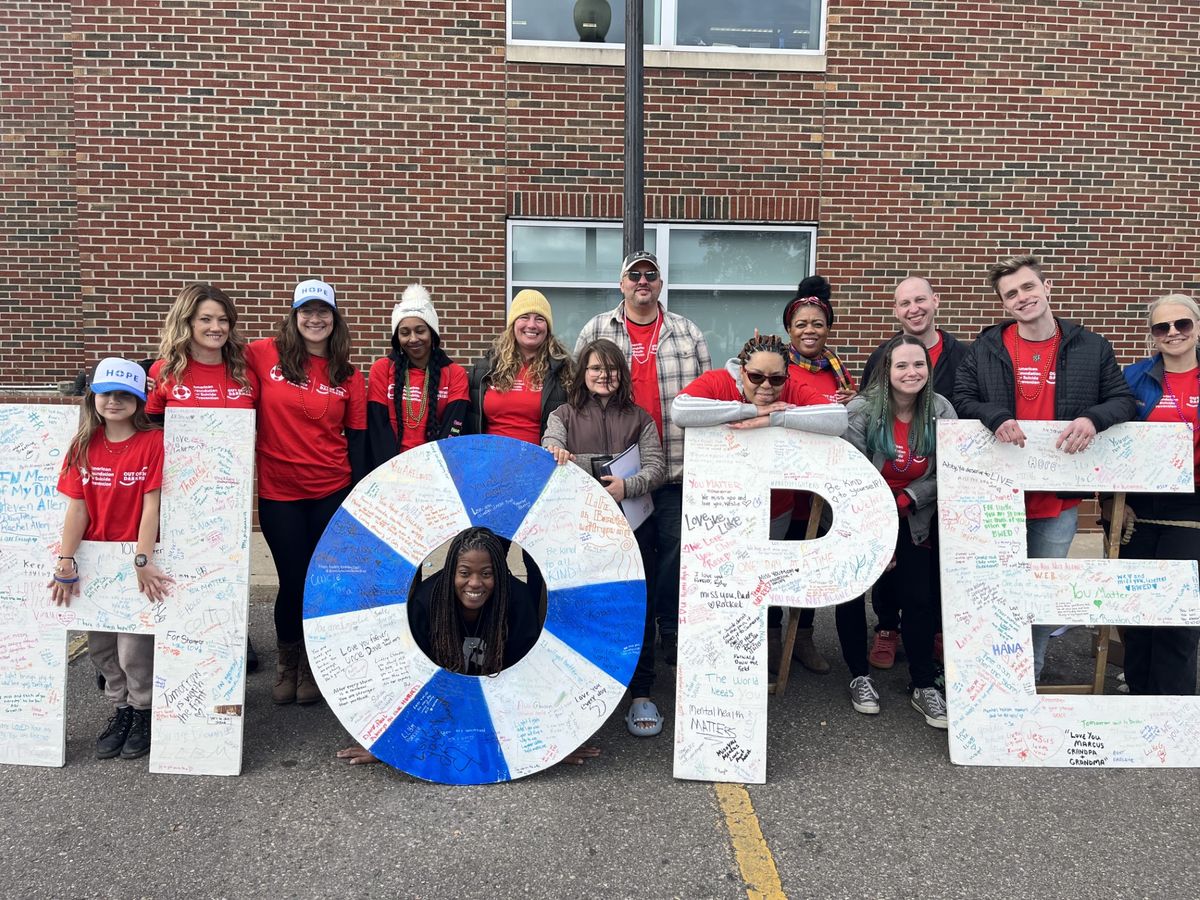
[
  {"x": 823, "y": 382},
  {"x": 515, "y": 413},
  {"x": 718, "y": 384},
  {"x": 302, "y": 449},
  {"x": 381, "y": 388},
  {"x": 643, "y": 367},
  {"x": 1034, "y": 401},
  {"x": 1180, "y": 402},
  {"x": 905, "y": 468},
  {"x": 113, "y": 482},
  {"x": 202, "y": 385}
]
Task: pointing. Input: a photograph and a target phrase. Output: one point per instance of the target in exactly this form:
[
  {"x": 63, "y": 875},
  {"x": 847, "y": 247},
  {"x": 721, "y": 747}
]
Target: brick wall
[
  {"x": 254, "y": 144},
  {"x": 41, "y": 339}
]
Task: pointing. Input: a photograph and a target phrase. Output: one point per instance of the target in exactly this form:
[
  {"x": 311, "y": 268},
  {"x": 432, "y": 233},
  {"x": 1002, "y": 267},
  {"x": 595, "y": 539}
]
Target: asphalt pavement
[{"x": 854, "y": 806}]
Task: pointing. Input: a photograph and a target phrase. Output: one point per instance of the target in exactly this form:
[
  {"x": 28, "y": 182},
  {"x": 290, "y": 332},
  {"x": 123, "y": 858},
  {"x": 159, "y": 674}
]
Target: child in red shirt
[{"x": 113, "y": 476}]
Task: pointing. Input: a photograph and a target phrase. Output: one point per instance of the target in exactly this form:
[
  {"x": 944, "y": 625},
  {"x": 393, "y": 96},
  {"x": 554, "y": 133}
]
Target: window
[
  {"x": 728, "y": 279},
  {"x": 677, "y": 32}
]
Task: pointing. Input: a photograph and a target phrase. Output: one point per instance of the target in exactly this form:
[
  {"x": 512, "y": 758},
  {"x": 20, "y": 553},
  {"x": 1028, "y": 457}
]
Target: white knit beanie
[{"x": 415, "y": 303}]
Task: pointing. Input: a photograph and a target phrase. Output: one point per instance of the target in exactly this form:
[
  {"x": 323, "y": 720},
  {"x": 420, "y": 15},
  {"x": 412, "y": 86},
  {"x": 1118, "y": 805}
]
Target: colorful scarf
[{"x": 827, "y": 360}]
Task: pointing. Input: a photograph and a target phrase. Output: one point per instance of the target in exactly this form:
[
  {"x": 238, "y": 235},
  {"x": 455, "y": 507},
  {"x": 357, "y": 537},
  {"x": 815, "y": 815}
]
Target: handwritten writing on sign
[
  {"x": 991, "y": 594},
  {"x": 452, "y": 728},
  {"x": 200, "y": 630},
  {"x": 731, "y": 572}
]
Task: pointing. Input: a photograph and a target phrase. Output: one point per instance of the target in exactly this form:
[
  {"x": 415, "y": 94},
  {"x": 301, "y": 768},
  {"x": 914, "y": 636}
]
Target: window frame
[
  {"x": 666, "y": 53},
  {"x": 662, "y": 231}
]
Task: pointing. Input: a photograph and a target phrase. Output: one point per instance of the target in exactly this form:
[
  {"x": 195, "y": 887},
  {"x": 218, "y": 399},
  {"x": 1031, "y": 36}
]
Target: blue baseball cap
[
  {"x": 313, "y": 289},
  {"x": 116, "y": 374}
]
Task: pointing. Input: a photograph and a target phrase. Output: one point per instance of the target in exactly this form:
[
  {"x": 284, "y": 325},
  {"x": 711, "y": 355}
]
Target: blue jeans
[{"x": 1048, "y": 539}]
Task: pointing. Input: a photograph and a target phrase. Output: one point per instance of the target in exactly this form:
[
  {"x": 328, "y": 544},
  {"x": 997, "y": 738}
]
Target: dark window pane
[
  {"x": 762, "y": 25},
  {"x": 589, "y": 21}
]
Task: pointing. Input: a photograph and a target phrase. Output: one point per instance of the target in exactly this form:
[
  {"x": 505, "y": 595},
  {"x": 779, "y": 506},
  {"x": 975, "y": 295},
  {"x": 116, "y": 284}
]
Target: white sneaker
[
  {"x": 863, "y": 696},
  {"x": 930, "y": 703}
]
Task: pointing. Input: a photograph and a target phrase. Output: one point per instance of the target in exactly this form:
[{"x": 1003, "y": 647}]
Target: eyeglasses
[
  {"x": 759, "y": 378},
  {"x": 602, "y": 370},
  {"x": 1162, "y": 329},
  {"x": 650, "y": 275}
]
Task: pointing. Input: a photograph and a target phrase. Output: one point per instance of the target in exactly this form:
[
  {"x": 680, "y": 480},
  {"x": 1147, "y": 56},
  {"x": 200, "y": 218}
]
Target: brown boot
[
  {"x": 806, "y": 653},
  {"x": 285, "y": 669},
  {"x": 306, "y": 686}
]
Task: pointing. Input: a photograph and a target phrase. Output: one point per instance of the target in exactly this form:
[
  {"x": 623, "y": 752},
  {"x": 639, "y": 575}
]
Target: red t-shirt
[
  {"x": 202, "y": 385},
  {"x": 643, "y": 367},
  {"x": 718, "y": 384},
  {"x": 903, "y": 471},
  {"x": 1180, "y": 402},
  {"x": 1034, "y": 401},
  {"x": 381, "y": 388},
  {"x": 302, "y": 449},
  {"x": 515, "y": 413},
  {"x": 935, "y": 352},
  {"x": 823, "y": 382},
  {"x": 113, "y": 482}
]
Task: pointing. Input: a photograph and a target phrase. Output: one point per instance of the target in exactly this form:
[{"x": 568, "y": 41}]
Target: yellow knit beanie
[{"x": 530, "y": 301}]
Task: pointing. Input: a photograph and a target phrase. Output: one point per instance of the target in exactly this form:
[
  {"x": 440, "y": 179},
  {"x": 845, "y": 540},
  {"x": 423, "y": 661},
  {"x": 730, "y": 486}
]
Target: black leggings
[
  {"x": 907, "y": 587},
  {"x": 1161, "y": 660},
  {"x": 292, "y": 529}
]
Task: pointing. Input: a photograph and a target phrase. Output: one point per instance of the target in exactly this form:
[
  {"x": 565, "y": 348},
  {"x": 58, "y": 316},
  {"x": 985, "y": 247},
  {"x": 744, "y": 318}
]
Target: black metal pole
[{"x": 635, "y": 137}]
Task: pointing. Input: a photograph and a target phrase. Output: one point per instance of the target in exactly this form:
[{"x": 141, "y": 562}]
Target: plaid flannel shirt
[{"x": 682, "y": 358}]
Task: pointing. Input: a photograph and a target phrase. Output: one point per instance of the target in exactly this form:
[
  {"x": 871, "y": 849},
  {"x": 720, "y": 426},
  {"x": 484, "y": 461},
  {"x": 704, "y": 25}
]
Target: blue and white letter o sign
[{"x": 458, "y": 729}]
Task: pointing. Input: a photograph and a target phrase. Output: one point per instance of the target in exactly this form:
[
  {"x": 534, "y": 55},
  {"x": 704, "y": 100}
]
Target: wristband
[{"x": 74, "y": 580}]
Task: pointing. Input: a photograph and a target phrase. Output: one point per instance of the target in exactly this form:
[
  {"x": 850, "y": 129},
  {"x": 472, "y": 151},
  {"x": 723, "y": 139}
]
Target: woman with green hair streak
[{"x": 893, "y": 422}]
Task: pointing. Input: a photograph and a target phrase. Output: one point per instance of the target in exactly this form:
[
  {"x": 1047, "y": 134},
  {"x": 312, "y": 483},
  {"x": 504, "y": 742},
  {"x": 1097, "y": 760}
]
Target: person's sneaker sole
[{"x": 864, "y": 709}]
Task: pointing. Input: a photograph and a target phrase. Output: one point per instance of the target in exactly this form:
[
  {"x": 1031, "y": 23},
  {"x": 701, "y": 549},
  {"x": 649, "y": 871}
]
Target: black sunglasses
[
  {"x": 1162, "y": 329},
  {"x": 759, "y": 378},
  {"x": 651, "y": 276}
]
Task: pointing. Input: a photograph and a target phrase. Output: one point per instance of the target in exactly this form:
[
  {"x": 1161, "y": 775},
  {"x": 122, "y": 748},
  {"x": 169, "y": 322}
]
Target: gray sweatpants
[{"x": 127, "y": 663}]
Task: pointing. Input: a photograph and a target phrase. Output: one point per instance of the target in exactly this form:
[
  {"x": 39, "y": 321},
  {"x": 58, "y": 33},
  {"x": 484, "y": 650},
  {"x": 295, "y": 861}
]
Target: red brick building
[{"x": 476, "y": 146}]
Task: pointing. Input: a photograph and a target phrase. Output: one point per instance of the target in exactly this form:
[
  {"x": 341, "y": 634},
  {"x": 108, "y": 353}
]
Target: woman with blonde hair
[
  {"x": 202, "y": 363},
  {"x": 1166, "y": 387}
]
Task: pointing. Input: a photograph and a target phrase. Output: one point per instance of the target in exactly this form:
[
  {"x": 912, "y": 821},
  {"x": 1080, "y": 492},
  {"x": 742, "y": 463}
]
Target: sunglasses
[
  {"x": 1162, "y": 329},
  {"x": 759, "y": 378},
  {"x": 651, "y": 276}
]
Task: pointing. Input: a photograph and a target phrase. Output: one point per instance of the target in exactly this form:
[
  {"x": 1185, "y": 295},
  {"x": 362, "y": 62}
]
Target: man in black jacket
[
  {"x": 1038, "y": 367},
  {"x": 916, "y": 311}
]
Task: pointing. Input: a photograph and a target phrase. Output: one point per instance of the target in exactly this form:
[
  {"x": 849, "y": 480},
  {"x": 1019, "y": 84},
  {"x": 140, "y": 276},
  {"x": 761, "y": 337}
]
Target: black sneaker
[
  {"x": 112, "y": 738},
  {"x": 138, "y": 742},
  {"x": 251, "y": 657}
]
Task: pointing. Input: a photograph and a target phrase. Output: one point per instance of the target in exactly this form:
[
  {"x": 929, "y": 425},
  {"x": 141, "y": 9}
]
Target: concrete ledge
[{"x": 707, "y": 58}]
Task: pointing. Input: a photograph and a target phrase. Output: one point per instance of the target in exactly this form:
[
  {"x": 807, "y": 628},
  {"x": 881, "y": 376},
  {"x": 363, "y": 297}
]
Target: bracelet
[
  {"x": 66, "y": 580},
  {"x": 74, "y": 565}
]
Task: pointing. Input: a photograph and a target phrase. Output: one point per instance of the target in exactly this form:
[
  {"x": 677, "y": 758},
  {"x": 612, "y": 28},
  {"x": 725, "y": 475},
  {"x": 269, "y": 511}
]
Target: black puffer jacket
[
  {"x": 1087, "y": 382},
  {"x": 944, "y": 373}
]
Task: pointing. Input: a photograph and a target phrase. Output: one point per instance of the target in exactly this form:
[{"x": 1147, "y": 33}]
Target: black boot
[
  {"x": 138, "y": 742},
  {"x": 112, "y": 738},
  {"x": 251, "y": 657}
]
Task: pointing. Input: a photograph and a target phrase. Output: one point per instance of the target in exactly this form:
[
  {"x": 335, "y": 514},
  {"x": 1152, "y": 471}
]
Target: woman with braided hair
[
  {"x": 893, "y": 423},
  {"x": 474, "y": 617},
  {"x": 415, "y": 394},
  {"x": 752, "y": 391}
]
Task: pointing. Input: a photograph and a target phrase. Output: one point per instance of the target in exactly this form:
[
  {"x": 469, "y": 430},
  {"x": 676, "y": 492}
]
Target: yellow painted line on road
[{"x": 749, "y": 847}]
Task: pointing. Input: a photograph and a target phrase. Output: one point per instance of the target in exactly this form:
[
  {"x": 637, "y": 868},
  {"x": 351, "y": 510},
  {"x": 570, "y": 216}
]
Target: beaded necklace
[
  {"x": 414, "y": 412},
  {"x": 306, "y": 388},
  {"x": 1044, "y": 372},
  {"x": 1170, "y": 394}
]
